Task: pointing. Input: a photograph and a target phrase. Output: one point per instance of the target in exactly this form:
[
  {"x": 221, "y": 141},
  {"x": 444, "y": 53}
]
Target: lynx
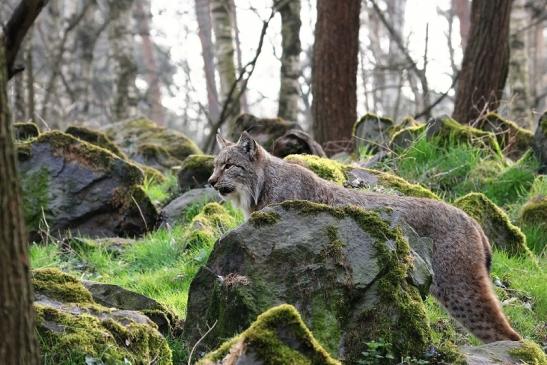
[{"x": 251, "y": 178}]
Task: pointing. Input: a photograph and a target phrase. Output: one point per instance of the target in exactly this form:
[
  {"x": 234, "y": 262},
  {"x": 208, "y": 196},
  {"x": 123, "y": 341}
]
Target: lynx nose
[{"x": 212, "y": 181}]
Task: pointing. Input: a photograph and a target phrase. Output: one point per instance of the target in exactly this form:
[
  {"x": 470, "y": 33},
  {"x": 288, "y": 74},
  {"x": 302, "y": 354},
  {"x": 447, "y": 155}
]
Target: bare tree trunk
[
  {"x": 538, "y": 76},
  {"x": 518, "y": 66},
  {"x": 29, "y": 79},
  {"x": 395, "y": 58},
  {"x": 239, "y": 55},
  {"x": 17, "y": 342},
  {"x": 485, "y": 61},
  {"x": 203, "y": 16},
  {"x": 149, "y": 54},
  {"x": 224, "y": 54},
  {"x": 463, "y": 11},
  {"x": 290, "y": 60},
  {"x": 334, "y": 80},
  {"x": 121, "y": 44}
]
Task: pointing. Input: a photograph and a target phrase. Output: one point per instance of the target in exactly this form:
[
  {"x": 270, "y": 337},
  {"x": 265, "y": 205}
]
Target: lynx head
[{"x": 238, "y": 171}]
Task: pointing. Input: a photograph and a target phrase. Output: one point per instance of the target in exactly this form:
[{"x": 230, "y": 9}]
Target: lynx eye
[{"x": 227, "y": 166}]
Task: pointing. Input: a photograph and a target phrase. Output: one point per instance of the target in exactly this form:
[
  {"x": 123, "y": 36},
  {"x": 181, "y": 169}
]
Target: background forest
[{"x": 116, "y": 250}]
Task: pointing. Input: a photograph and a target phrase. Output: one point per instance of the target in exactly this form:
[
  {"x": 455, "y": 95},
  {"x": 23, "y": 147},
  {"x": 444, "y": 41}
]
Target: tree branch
[{"x": 22, "y": 18}]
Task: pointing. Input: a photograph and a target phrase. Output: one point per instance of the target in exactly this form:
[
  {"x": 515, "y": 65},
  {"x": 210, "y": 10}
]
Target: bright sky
[{"x": 176, "y": 27}]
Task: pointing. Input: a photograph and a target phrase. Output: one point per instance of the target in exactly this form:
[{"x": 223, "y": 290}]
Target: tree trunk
[
  {"x": 224, "y": 54},
  {"x": 290, "y": 60},
  {"x": 462, "y": 10},
  {"x": 239, "y": 54},
  {"x": 149, "y": 55},
  {"x": 518, "y": 66},
  {"x": 203, "y": 16},
  {"x": 17, "y": 342},
  {"x": 334, "y": 74},
  {"x": 485, "y": 61},
  {"x": 125, "y": 69},
  {"x": 395, "y": 59}
]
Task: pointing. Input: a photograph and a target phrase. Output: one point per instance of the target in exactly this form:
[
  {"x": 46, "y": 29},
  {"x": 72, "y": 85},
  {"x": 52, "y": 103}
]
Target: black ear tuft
[{"x": 248, "y": 144}]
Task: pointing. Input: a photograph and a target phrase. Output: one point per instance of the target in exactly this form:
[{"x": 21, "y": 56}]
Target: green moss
[
  {"x": 495, "y": 222},
  {"x": 279, "y": 337},
  {"x": 535, "y": 211},
  {"x": 211, "y": 222},
  {"x": 25, "y": 130},
  {"x": 67, "y": 338},
  {"x": 151, "y": 174},
  {"x": 97, "y": 138},
  {"x": 450, "y": 130},
  {"x": 198, "y": 162},
  {"x": 511, "y": 138},
  {"x": 542, "y": 124},
  {"x": 403, "y": 137},
  {"x": 261, "y": 218},
  {"x": 322, "y": 167},
  {"x": 60, "y": 286},
  {"x": 530, "y": 353},
  {"x": 36, "y": 197}
]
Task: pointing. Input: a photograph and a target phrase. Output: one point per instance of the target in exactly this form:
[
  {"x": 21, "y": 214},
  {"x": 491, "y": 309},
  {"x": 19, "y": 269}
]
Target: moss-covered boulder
[
  {"x": 540, "y": 142},
  {"x": 195, "y": 171},
  {"x": 534, "y": 212},
  {"x": 506, "y": 353},
  {"x": 212, "y": 221},
  {"x": 359, "y": 177},
  {"x": 296, "y": 142},
  {"x": 147, "y": 143},
  {"x": 95, "y": 137},
  {"x": 277, "y": 337},
  {"x": 175, "y": 210},
  {"x": 25, "y": 130},
  {"x": 264, "y": 130},
  {"x": 496, "y": 224},
  {"x": 403, "y": 138},
  {"x": 513, "y": 140},
  {"x": 114, "y": 296},
  {"x": 72, "y": 185},
  {"x": 73, "y": 329},
  {"x": 450, "y": 130},
  {"x": 346, "y": 270},
  {"x": 372, "y": 132}
]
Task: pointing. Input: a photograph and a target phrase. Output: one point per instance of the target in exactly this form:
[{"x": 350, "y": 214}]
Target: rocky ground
[{"x": 136, "y": 261}]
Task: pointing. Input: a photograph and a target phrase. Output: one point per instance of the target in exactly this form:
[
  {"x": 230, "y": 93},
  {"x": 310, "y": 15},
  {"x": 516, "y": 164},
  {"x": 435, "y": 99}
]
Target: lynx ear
[
  {"x": 223, "y": 143},
  {"x": 248, "y": 144}
]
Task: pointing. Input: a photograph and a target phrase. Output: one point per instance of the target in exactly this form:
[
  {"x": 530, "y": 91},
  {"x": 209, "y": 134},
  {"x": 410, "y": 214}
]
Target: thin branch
[
  {"x": 428, "y": 109},
  {"x": 16, "y": 29}
]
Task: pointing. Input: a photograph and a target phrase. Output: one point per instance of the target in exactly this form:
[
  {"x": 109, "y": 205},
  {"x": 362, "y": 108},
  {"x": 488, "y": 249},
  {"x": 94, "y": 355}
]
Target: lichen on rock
[
  {"x": 497, "y": 226},
  {"x": 277, "y": 337}
]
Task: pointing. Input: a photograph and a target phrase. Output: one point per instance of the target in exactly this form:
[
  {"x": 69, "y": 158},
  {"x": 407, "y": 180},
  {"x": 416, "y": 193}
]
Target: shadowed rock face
[
  {"x": 296, "y": 141},
  {"x": 347, "y": 271},
  {"x": 75, "y": 186},
  {"x": 540, "y": 142}
]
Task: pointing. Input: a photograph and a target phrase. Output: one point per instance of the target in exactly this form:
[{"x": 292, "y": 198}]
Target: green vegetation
[{"x": 160, "y": 192}]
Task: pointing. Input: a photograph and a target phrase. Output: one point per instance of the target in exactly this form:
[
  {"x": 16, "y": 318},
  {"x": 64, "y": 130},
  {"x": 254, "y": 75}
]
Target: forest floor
[{"x": 156, "y": 266}]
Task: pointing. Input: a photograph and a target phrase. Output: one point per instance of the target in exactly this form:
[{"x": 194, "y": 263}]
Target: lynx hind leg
[{"x": 472, "y": 302}]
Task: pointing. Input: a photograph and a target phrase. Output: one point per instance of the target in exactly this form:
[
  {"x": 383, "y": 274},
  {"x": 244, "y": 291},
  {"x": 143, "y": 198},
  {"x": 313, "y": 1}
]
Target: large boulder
[
  {"x": 534, "y": 212},
  {"x": 360, "y": 178},
  {"x": 25, "y": 130},
  {"x": 95, "y": 137},
  {"x": 540, "y": 142},
  {"x": 71, "y": 185},
  {"x": 147, "y": 143},
  {"x": 296, "y": 142},
  {"x": 73, "y": 329},
  {"x": 195, "y": 171},
  {"x": 372, "y": 132},
  {"x": 513, "y": 140},
  {"x": 278, "y": 336},
  {"x": 264, "y": 130},
  {"x": 496, "y": 224},
  {"x": 348, "y": 272}
]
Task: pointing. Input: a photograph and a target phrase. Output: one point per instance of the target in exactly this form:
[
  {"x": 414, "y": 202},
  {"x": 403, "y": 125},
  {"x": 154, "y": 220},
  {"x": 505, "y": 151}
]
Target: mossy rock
[
  {"x": 195, "y": 171},
  {"x": 345, "y": 269},
  {"x": 513, "y": 140},
  {"x": 263, "y": 130},
  {"x": 147, "y": 143},
  {"x": 505, "y": 352},
  {"x": 296, "y": 142},
  {"x": 534, "y": 212},
  {"x": 76, "y": 186},
  {"x": 529, "y": 352},
  {"x": 277, "y": 337},
  {"x": 404, "y": 137},
  {"x": 372, "y": 132},
  {"x": 73, "y": 329},
  {"x": 25, "y": 130},
  {"x": 212, "y": 221},
  {"x": 358, "y": 177},
  {"x": 95, "y": 137},
  {"x": 496, "y": 224},
  {"x": 540, "y": 142},
  {"x": 449, "y": 130}
]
